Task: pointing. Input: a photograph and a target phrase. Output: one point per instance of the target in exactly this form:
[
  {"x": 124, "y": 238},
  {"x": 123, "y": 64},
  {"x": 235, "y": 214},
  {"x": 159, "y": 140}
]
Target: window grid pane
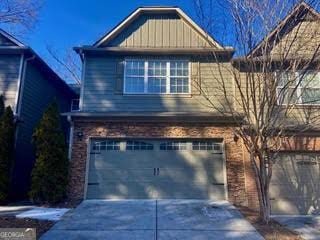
[
  {"x": 157, "y": 77},
  {"x": 137, "y": 145},
  {"x": 173, "y": 146},
  {"x": 206, "y": 146},
  {"x": 179, "y": 85},
  {"x": 106, "y": 145},
  {"x": 307, "y": 92}
]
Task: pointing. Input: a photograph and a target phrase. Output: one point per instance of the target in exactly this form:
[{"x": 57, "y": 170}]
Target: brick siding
[{"x": 103, "y": 128}]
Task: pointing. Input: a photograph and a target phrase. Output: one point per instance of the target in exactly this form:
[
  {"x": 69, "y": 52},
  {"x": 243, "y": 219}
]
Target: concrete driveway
[
  {"x": 307, "y": 226},
  {"x": 153, "y": 219}
]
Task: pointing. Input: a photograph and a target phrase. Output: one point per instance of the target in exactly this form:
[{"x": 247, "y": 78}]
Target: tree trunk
[
  {"x": 262, "y": 183},
  {"x": 265, "y": 206}
]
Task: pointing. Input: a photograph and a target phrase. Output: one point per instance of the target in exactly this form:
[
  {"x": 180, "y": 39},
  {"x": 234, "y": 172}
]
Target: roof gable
[
  {"x": 295, "y": 23},
  {"x": 7, "y": 40},
  {"x": 158, "y": 27}
]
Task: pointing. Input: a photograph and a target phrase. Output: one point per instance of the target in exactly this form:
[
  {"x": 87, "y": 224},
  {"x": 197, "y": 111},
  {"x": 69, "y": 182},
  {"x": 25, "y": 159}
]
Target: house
[
  {"x": 293, "y": 45},
  {"x": 28, "y": 85},
  {"x": 145, "y": 126},
  {"x": 144, "y": 130}
]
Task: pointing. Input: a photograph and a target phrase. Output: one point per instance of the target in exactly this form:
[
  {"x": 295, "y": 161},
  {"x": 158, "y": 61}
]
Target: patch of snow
[
  {"x": 51, "y": 214},
  {"x": 216, "y": 213}
]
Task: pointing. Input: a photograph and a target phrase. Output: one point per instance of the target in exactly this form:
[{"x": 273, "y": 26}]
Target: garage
[
  {"x": 156, "y": 168},
  {"x": 295, "y": 185}
]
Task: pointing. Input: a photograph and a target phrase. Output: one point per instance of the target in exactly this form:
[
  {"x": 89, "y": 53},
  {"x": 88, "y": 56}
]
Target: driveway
[
  {"x": 307, "y": 226},
  {"x": 153, "y": 219}
]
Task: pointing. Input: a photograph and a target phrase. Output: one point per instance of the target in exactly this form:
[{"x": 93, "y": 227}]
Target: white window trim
[
  {"x": 72, "y": 104},
  {"x": 146, "y": 62},
  {"x": 298, "y": 91}
]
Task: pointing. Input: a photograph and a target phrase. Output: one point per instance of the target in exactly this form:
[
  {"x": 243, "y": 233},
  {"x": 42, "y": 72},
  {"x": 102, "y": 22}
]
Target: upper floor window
[
  {"x": 299, "y": 88},
  {"x": 75, "y": 105},
  {"x": 156, "y": 77}
]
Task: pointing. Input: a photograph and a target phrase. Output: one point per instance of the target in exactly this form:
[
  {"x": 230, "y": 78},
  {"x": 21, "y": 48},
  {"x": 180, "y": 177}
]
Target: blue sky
[
  {"x": 64, "y": 24},
  {"x": 69, "y": 23}
]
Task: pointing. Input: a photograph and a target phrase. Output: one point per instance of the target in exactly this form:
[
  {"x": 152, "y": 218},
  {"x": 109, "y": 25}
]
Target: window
[
  {"x": 106, "y": 145},
  {"x": 299, "y": 88},
  {"x": 173, "y": 146},
  {"x": 205, "y": 146},
  {"x": 75, "y": 105},
  {"x": 137, "y": 145},
  {"x": 156, "y": 77}
]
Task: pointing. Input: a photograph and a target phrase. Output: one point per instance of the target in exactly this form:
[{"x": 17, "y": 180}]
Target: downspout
[
  {"x": 70, "y": 137},
  {"x": 17, "y": 110},
  {"x": 19, "y": 84}
]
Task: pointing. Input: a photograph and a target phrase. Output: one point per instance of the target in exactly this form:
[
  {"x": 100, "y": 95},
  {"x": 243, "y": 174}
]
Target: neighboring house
[
  {"x": 28, "y": 85},
  {"x": 295, "y": 184},
  {"x": 144, "y": 128},
  {"x": 75, "y": 102}
]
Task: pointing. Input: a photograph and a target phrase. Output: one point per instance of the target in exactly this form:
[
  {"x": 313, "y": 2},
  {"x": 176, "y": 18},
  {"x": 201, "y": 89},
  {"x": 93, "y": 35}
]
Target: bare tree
[
  {"x": 68, "y": 65},
  {"x": 19, "y": 13},
  {"x": 276, "y": 80}
]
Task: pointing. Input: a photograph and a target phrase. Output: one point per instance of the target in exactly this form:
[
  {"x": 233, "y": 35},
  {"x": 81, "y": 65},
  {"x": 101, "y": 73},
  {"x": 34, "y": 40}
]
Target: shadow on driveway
[{"x": 153, "y": 219}]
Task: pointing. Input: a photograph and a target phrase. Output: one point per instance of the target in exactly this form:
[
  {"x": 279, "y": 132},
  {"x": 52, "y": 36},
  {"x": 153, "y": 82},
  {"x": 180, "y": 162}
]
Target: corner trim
[
  {"x": 87, "y": 168},
  {"x": 82, "y": 83},
  {"x": 21, "y": 69},
  {"x": 225, "y": 175}
]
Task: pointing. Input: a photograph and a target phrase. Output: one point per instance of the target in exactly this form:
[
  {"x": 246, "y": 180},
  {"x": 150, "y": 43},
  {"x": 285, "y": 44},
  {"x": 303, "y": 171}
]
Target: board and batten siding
[
  {"x": 159, "y": 31},
  {"x": 100, "y": 95},
  {"x": 37, "y": 93},
  {"x": 9, "y": 78},
  {"x": 302, "y": 40}
]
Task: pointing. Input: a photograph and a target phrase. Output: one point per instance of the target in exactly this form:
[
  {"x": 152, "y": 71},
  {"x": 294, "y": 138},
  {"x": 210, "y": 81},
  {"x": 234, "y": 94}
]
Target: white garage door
[
  {"x": 295, "y": 185},
  {"x": 131, "y": 169}
]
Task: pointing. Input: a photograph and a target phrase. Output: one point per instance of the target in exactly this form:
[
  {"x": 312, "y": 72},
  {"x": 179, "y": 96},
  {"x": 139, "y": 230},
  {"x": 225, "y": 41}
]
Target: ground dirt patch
[
  {"x": 272, "y": 231},
  {"x": 13, "y": 222}
]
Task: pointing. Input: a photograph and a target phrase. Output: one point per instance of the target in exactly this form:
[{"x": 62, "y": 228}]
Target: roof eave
[
  {"x": 149, "y": 51},
  {"x": 155, "y": 117}
]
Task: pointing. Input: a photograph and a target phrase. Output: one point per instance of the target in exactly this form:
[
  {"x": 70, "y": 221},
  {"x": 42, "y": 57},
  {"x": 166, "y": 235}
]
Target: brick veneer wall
[
  {"x": 303, "y": 144},
  {"x": 104, "y": 128}
]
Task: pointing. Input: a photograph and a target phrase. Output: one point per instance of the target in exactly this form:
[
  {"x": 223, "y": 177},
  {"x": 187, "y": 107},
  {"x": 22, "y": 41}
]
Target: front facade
[
  {"x": 146, "y": 127},
  {"x": 28, "y": 86}
]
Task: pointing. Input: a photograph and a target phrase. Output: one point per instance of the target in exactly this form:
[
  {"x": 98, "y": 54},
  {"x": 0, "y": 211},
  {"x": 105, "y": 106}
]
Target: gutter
[
  {"x": 21, "y": 87},
  {"x": 142, "y": 51}
]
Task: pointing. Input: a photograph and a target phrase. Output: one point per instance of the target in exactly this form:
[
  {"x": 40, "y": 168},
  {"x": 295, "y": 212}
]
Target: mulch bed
[
  {"x": 13, "y": 222},
  {"x": 272, "y": 231},
  {"x": 41, "y": 226}
]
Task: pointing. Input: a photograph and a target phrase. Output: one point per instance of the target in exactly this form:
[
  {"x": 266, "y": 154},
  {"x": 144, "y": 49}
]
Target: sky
[{"x": 64, "y": 24}]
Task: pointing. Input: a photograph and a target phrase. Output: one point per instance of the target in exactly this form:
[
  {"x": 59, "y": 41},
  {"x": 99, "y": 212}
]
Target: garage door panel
[
  {"x": 102, "y": 175},
  {"x": 121, "y": 190},
  {"x": 295, "y": 184},
  {"x": 129, "y": 169},
  {"x": 292, "y": 206},
  {"x": 176, "y": 158},
  {"x": 183, "y": 190},
  {"x": 117, "y": 159},
  {"x": 202, "y": 175}
]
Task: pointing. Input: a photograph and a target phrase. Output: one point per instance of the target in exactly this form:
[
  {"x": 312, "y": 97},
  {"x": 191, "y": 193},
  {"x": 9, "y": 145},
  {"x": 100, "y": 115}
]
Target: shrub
[
  {"x": 7, "y": 130},
  {"x": 50, "y": 173},
  {"x": 2, "y": 108}
]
